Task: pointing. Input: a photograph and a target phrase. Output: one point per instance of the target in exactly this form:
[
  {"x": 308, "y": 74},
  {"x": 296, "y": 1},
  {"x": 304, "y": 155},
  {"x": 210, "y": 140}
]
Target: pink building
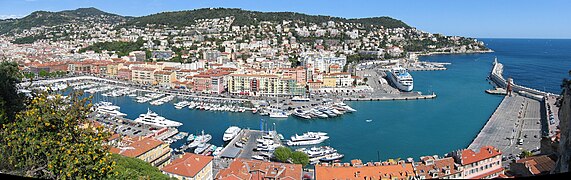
[
  {"x": 124, "y": 74},
  {"x": 485, "y": 164}
]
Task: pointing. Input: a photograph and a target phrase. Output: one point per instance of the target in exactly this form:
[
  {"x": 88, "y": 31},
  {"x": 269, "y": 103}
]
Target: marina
[{"x": 387, "y": 119}]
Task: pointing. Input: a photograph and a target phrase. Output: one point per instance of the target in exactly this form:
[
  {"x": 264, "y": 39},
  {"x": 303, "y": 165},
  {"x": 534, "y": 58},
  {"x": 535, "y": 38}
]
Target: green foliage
[
  {"x": 28, "y": 39},
  {"x": 121, "y": 48},
  {"x": 11, "y": 102},
  {"x": 282, "y": 154},
  {"x": 133, "y": 168},
  {"x": 244, "y": 17},
  {"x": 285, "y": 154},
  {"x": 45, "y": 18},
  {"x": 300, "y": 158},
  {"x": 525, "y": 154},
  {"x": 46, "y": 141}
]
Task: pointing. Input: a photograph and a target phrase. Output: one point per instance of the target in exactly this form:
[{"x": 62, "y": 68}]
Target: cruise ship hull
[{"x": 398, "y": 85}]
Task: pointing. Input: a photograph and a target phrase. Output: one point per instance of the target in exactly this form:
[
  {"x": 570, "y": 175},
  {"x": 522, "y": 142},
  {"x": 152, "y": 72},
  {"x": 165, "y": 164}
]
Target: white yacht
[
  {"x": 200, "y": 139},
  {"x": 230, "y": 133},
  {"x": 401, "y": 79},
  {"x": 276, "y": 113},
  {"x": 153, "y": 118},
  {"x": 181, "y": 104},
  {"x": 109, "y": 108},
  {"x": 308, "y": 138},
  {"x": 345, "y": 106}
]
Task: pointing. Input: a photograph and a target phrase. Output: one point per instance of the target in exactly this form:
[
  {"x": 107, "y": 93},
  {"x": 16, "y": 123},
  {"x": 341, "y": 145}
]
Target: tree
[
  {"x": 300, "y": 158},
  {"x": 282, "y": 153},
  {"x": 43, "y": 73},
  {"x": 365, "y": 79},
  {"x": 133, "y": 168},
  {"x": 11, "y": 101},
  {"x": 52, "y": 138},
  {"x": 525, "y": 154}
]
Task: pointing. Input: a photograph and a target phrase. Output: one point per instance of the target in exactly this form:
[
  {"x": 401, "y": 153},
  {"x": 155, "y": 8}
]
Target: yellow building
[
  {"x": 164, "y": 78},
  {"x": 149, "y": 150},
  {"x": 190, "y": 167},
  {"x": 142, "y": 75},
  {"x": 329, "y": 81}
]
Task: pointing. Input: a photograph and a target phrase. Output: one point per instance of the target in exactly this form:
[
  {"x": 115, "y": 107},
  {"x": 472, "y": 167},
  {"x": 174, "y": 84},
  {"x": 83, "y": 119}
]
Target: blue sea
[{"x": 402, "y": 129}]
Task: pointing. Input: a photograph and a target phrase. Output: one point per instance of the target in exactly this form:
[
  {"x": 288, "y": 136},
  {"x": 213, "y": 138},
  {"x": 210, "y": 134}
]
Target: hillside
[
  {"x": 45, "y": 18},
  {"x": 244, "y": 17}
]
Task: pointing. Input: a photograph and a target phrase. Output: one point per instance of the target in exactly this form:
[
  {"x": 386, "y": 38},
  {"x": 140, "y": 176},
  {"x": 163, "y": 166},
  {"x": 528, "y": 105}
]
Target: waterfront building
[
  {"x": 263, "y": 84},
  {"x": 124, "y": 74},
  {"x": 532, "y": 166},
  {"x": 370, "y": 171},
  {"x": 484, "y": 164},
  {"x": 149, "y": 150},
  {"x": 190, "y": 166},
  {"x": 164, "y": 78},
  {"x": 142, "y": 75},
  {"x": 243, "y": 169},
  {"x": 434, "y": 167}
]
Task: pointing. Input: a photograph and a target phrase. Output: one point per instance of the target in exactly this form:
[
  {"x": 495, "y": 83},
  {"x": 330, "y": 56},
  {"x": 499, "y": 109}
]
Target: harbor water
[{"x": 401, "y": 129}]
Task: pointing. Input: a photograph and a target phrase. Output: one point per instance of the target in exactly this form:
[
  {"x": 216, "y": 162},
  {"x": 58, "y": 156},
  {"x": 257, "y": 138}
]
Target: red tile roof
[
  {"x": 469, "y": 156},
  {"x": 378, "y": 171},
  {"x": 188, "y": 165},
  {"x": 139, "y": 147},
  {"x": 253, "y": 169}
]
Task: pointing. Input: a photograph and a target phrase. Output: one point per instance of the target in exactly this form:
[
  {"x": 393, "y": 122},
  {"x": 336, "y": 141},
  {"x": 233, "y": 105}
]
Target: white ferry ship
[
  {"x": 401, "y": 79},
  {"x": 153, "y": 118}
]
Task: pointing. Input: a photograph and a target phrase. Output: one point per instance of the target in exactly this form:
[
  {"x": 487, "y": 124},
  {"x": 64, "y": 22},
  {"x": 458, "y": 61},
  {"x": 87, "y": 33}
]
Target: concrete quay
[
  {"x": 516, "y": 119},
  {"x": 248, "y": 149},
  {"x": 412, "y": 96}
]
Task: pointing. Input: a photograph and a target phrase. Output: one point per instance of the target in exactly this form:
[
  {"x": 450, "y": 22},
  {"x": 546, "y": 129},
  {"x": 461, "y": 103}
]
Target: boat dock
[
  {"x": 513, "y": 127},
  {"x": 248, "y": 148},
  {"x": 497, "y": 91},
  {"x": 393, "y": 98}
]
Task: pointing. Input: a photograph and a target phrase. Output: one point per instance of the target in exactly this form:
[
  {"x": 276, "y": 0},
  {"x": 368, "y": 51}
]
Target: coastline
[{"x": 453, "y": 53}]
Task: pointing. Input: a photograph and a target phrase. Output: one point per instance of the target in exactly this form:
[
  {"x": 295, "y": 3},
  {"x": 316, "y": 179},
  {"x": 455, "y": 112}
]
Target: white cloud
[{"x": 9, "y": 16}]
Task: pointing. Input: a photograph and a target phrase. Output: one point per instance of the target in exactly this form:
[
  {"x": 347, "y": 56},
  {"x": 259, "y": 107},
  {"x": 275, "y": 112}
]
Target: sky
[{"x": 471, "y": 18}]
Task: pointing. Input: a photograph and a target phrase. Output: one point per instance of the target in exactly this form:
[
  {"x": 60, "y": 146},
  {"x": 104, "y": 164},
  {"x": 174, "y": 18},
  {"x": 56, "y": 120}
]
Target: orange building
[
  {"x": 242, "y": 169},
  {"x": 370, "y": 171},
  {"x": 190, "y": 166}
]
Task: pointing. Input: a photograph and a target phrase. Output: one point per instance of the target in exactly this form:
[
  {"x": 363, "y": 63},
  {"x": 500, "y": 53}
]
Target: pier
[
  {"x": 516, "y": 119},
  {"x": 496, "y": 76},
  {"x": 248, "y": 149},
  {"x": 393, "y": 98}
]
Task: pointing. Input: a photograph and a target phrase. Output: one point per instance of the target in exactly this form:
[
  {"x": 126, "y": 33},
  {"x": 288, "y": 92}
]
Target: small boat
[
  {"x": 332, "y": 157},
  {"x": 368, "y": 120},
  {"x": 258, "y": 157},
  {"x": 190, "y": 137}
]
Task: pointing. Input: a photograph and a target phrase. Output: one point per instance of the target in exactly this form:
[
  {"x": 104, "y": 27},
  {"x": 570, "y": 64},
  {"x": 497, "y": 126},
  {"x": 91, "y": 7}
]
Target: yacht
[
  {"x": 110, "y": 109},
  {"x": 332, "y": 157},
  {"x": 275, "y": 113},
  {"x": 201, "y": 148},
  {"x": 345, "y": 106},
  {"x": 200, "y": 139},
  {"x": 301, "y": 114},
  {"x": 308, "y": 138},
  {"x": 401, "y": 79},
  {"x": 230, "y": 133},
  {"x": 181, "y": 104},
  {"x": 153, "y": 118}
]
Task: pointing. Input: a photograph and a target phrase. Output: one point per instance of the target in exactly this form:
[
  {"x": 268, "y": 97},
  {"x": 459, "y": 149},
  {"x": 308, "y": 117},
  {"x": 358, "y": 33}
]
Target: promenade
[{"x": 516, "y": 118}]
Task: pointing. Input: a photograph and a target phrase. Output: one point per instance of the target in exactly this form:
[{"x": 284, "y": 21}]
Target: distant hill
[
  {"x": 244, "y": 17},
  {"x": 45, "y": 18},
  {"x": 178, "y": 18}
]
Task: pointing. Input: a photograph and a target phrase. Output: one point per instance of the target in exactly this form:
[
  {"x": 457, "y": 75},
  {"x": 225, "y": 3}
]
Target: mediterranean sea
[{"x": 401, "y": 129}]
